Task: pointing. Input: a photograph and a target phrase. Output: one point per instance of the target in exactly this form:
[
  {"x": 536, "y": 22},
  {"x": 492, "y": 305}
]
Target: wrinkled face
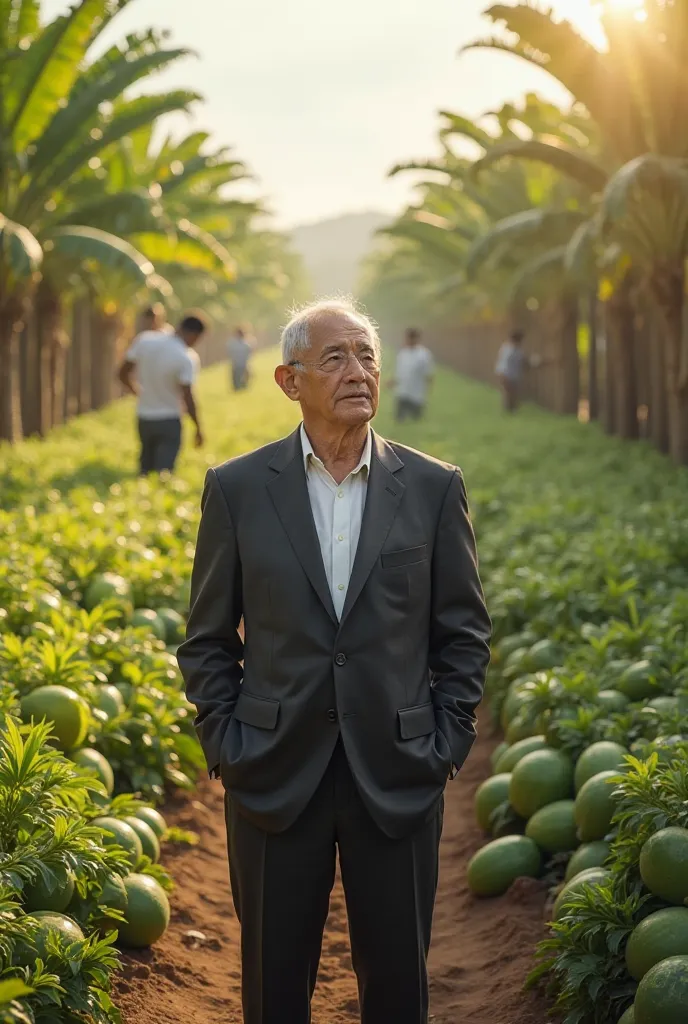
[{"x": 337, "y": 379}]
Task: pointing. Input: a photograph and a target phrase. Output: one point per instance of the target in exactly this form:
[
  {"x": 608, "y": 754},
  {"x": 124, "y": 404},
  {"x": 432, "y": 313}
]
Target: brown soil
[{"x": 481, "y": 949}]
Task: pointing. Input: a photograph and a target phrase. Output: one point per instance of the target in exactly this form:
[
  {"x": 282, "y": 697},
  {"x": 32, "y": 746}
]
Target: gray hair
[{"x": 296, "y": 335}]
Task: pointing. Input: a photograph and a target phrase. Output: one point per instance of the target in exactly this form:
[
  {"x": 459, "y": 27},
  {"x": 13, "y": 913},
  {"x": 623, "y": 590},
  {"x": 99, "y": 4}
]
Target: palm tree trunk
[
  {"x": 593, "y": 375},
  {"x": 11, "y": 325},
  {"x": 658, "y": 424},
  {"x": 54, "y": 343},
  {"x": 677, "y": 393},
  {"x": 106, "y": 330},
  {"x": 82, "y": 344},
  {"x": 31, "y": 382},
  {"x": 10, "y": 384},
  {"x": 569, "y": 368},
  {"x": 620, "y": 369}
]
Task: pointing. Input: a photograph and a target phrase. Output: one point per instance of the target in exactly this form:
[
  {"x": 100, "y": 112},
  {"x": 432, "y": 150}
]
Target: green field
[{"x": 583, "y": 544}]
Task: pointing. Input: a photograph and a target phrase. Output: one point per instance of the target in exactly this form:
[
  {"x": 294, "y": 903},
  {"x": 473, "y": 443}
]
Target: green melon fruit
[
  {"x": 661, "y": 935},
  {"x": 114, "y": 893},
  {"x": 119, "y": 833},
  {"x": 517, "y": 751},
  {"x": 516, "y": 664},
  {"x": 53, "y": 895},
  {"x": 664, "y": 865},
  {"x": 146, "y": 617},
  {"x": 497, "y": 753},
  {"x": 150, "y": 844},
  {"x": 662, "y": 996},
  {"x": 589, "y": 855},
  {"x": 174, "y": 625},
  {"x": 540, "y": 778},
  {"x": 98, "y": 763},
  {"x": 152, "y": 818},
  {"x": 47, "y": 603},
  {"x": 543, "y": 655},
  {"x": 617, "y": 666},
  {"x": 488, "y": 797},
  {"x": 628, "y": 1017},
  {"x": 575, "y": 885},
  {"x": 665, "y": 704},
  {"x": 612, "y": 700},
  {"x": 59, "y": 924},
  {"x": 600, "y": 757},
  {"x": 67, "y": 711},
  {"x": 147, "y": 913},
  {"x": 519, "y": 729},
  {"x": 510, "y": 707},
  {"x": 553, "y": 827},
  {"x": 110, "y": 700},
  {"x": 595, "y": 807},
  {"x": 113, "y": 897},
  {"x": 492, "y": 870},
  {"x": 518, "y": 694},
  {"x": 635, "y": 681},
  {"x": 508, "y": 644},
  {"x": 127, "y": 691},
  {"x": 108, "y": 587}
]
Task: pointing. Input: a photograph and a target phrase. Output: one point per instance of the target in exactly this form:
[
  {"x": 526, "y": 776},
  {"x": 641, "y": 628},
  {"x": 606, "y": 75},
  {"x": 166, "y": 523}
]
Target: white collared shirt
[{"x": 338, "y": 514}]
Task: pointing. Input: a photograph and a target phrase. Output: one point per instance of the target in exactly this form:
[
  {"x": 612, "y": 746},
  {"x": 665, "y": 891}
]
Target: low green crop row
[
  {"x": 584, "y": 551},
  {"x": 94, "y": 578},
  {"x": 585, "y": 559}
]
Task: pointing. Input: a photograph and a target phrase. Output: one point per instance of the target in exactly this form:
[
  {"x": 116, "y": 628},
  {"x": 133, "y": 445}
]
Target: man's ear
[{"x": 287, "y": 381}]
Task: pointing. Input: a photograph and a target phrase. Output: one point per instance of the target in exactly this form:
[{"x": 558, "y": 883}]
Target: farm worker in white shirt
[
  {"x": 414, "y": 373},
  {"x": 160, "y": 369}
]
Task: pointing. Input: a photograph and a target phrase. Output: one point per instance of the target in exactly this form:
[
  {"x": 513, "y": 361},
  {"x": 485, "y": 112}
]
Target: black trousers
[
  {"x": 161, "y": 441},
  {"x": 281, "y": 884},
  {"x": 408, "y": 409},
  {"x": 239, "y": 377}
]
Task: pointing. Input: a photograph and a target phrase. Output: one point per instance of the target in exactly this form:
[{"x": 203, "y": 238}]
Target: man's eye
[{"x": 334, "y": 360}]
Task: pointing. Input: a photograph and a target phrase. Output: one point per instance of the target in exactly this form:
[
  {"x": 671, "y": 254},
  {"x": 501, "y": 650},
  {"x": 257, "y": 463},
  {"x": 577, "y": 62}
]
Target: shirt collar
[{"x": 309, "y": 454}]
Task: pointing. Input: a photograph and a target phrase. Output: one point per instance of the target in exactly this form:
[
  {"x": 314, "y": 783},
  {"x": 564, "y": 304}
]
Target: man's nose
[{"x": 354, "y": 370}]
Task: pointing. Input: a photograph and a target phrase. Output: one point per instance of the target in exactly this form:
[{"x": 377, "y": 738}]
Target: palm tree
[
  {"x": 492, "y": 244},
  {"x": 58, "y": 118},
  {"x": 637, "y": 94}
]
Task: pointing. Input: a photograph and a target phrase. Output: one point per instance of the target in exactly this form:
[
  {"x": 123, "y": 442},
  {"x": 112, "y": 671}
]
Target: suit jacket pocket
[
  {"x": 262, "y": 712},
  {"x": 417, "y": 721},
  {"x": 408, "y": 556}
]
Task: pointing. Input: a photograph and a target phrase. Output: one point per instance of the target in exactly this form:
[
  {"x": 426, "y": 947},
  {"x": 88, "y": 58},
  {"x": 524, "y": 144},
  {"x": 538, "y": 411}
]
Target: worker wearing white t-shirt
[
  {"x": 160, "y": 369},
  {"x": 414, "y": 372}
]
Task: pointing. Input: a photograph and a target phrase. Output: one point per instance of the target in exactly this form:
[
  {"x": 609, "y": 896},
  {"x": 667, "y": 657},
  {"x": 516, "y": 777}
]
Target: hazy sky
[{"x": 321, "y": 98}]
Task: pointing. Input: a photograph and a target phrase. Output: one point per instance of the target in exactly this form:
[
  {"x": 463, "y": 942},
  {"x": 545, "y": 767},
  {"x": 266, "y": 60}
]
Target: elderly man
[{"x": 336, "y": 723}]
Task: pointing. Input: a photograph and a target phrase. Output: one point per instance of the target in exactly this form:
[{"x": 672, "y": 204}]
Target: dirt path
[{"x": 481, "y": 949}]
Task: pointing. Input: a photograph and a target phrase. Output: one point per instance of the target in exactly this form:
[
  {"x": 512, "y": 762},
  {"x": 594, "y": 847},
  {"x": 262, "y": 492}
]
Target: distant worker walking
[
  {"x": 154, "y": 318},
  {"x": 160, "y": 369},
  {"x": 239, "y": 350},
  {"x": 414, "y": 373},
  {"x": 512, "y": 362}
]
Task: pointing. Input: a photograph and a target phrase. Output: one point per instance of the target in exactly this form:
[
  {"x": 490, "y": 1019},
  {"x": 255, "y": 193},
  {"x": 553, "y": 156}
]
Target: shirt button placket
[{"x": 340, "y": 558}]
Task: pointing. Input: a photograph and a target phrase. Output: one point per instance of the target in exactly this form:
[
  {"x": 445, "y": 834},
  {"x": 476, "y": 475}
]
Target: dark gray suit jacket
[{"x": 399, "y": 677}]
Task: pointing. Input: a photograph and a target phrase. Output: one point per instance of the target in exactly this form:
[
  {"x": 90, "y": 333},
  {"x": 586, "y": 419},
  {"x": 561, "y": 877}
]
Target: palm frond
[
  {"x": 90, "y": 245},
  {"x": 19, "y": 248},
  {"x": 575, "y": 165},
  {"x": 518, "y": 230}
]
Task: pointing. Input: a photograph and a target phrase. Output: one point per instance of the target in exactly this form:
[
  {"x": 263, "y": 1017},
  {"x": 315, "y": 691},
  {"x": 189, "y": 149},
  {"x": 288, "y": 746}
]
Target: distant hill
[{"x": 332, "y": 249}]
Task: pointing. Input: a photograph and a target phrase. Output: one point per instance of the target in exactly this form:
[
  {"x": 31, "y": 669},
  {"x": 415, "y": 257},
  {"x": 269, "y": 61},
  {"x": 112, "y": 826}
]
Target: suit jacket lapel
[
  {"x": 289, "y": 493},
  {"x": 385, "y": 491}
]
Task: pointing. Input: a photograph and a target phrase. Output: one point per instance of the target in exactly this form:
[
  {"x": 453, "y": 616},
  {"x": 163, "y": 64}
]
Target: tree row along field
[{"x": 583, "y": 548}]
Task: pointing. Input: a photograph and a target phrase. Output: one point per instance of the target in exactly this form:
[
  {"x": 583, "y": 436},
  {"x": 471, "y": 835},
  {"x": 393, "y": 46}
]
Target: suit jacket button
[
  {"x": 340, "y": 660},
  {"x": 332, "y": 715}
]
